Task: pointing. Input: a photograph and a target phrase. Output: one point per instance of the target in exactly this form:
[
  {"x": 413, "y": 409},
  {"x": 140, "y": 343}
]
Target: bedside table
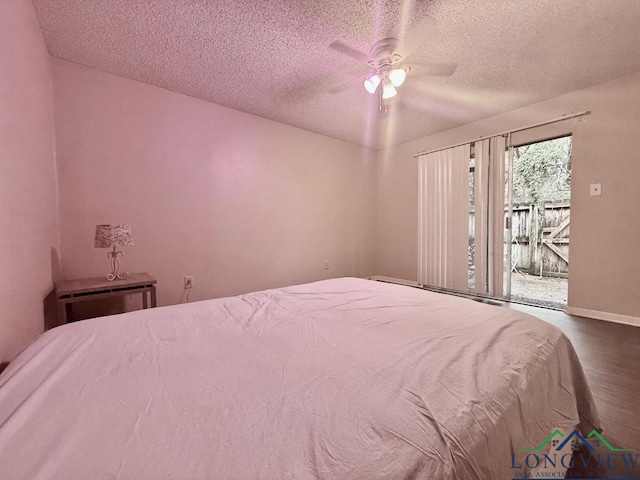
[{"x": 82, "y": 290}]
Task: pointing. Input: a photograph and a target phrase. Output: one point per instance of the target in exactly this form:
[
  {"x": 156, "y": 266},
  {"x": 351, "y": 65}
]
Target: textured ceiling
[{"x": 272, "y": 58}]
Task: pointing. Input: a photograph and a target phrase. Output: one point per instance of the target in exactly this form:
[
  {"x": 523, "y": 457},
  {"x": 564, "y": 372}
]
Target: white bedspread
[{"x": 338, "y": 379}]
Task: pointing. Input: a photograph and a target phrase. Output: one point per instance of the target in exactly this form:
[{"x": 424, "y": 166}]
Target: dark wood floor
[{"x": 610, "y": 356}]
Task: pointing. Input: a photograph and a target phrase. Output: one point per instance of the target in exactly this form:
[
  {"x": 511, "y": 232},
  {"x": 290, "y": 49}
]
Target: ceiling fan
[{"x": 388, "y": 58}]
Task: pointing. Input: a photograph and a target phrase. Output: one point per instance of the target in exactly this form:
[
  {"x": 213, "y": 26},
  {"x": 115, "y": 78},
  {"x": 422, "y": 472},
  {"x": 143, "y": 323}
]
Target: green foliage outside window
[{"x": 542, "y": 172}]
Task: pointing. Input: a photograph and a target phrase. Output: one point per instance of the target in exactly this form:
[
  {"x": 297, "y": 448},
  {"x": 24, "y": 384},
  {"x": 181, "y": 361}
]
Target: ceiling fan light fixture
[
  {"x": 371, "y": 83},
  {"x": 389, "y": 91},
  {"x": 397, "y": 76}
]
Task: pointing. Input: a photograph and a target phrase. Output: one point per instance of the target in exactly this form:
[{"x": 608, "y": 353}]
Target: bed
[{"x": 338, "y": 379}]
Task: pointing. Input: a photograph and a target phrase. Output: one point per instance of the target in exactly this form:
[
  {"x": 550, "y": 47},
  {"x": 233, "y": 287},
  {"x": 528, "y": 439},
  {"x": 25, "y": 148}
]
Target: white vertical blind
[
  {"x": 497, "y": 149},
  {"x": 443, "y": 191},
  {"x": 481, "y": 217}
]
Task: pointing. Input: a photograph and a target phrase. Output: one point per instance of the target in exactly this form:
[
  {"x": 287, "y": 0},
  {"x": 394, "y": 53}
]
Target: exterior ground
[{"x": 543, "y": 291}]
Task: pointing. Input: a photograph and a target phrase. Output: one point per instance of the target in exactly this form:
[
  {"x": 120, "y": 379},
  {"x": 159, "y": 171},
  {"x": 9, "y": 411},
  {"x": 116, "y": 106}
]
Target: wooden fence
[{"x": 540, "y": 239}]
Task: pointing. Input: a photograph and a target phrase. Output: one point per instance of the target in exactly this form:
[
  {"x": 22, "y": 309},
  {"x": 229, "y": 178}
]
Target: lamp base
[
  {"x": 120, "y": 276},
  {"x": 115, "y": 266}
]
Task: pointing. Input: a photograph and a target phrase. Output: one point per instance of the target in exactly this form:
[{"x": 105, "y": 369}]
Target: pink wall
[
  {"x": 28, "y": 225},
  {"x": 240, "y": 202},
  {"x": 604, "y": 258}
]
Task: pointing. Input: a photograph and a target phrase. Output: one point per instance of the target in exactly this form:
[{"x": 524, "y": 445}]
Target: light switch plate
[{"x": 595, "y": 189}]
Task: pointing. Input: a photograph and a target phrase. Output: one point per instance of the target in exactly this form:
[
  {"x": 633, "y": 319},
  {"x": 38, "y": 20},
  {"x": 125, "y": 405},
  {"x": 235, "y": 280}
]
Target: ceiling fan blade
[
  {"x": 435, "y": 69},
  {"x": 351, "y": 52},
  {"x": 341, "y": 87},
  {"x": 415, "y": 35}
]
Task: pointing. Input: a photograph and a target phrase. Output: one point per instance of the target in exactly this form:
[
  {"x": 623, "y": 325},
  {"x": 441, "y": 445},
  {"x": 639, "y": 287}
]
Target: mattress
[{"x": 338, "y": 379}]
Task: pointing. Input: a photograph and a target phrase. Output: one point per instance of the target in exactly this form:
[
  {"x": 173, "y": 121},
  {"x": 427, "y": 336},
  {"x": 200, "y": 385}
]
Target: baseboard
[
  {"x": 609, "y": 317},
  {"x": 399, "y": 281}
]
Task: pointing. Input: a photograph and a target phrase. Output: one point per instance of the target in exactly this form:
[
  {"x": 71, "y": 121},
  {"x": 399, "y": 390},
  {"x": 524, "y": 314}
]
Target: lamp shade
[{"x": 113, "y": 235}]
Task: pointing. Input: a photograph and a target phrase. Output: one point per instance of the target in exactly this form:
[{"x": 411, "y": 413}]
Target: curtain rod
[{"x": 566, "y": 116}]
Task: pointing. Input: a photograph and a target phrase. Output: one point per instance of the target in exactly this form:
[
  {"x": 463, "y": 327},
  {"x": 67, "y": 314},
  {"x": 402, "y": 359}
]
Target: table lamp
[{"x": 114, "y": 235}]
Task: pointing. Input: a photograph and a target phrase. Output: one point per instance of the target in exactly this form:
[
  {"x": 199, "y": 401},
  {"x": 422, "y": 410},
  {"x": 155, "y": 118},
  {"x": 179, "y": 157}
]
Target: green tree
[{"x": 542, "y": 172}]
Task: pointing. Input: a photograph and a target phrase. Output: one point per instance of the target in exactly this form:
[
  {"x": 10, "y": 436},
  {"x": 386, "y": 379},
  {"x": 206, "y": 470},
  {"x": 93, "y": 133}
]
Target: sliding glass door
[
  {"x": 471, "y": 238},
  {"x": 541, "y": 222}
]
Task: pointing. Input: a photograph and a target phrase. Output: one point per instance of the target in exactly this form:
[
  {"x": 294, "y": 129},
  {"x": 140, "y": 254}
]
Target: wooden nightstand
[{"x": 81, "y": 290}]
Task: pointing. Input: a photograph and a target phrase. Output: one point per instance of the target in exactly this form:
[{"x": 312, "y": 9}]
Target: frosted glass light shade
[
  {"x": 389, "y": 91},
  {"x": 371, "y": 83},
  {"x": 397, "y": 76}
]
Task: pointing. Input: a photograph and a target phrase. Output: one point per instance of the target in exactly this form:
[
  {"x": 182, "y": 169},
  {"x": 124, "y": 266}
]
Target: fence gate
[
  {"x": 540, "y": 239},
  {"x": 556, "y": 240}
]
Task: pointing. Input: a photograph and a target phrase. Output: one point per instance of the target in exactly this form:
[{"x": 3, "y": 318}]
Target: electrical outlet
[
  {"x": 595, "y": 189},
  {"x": 188, "y": 282},
  {"x": 326, "y": 265}
]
